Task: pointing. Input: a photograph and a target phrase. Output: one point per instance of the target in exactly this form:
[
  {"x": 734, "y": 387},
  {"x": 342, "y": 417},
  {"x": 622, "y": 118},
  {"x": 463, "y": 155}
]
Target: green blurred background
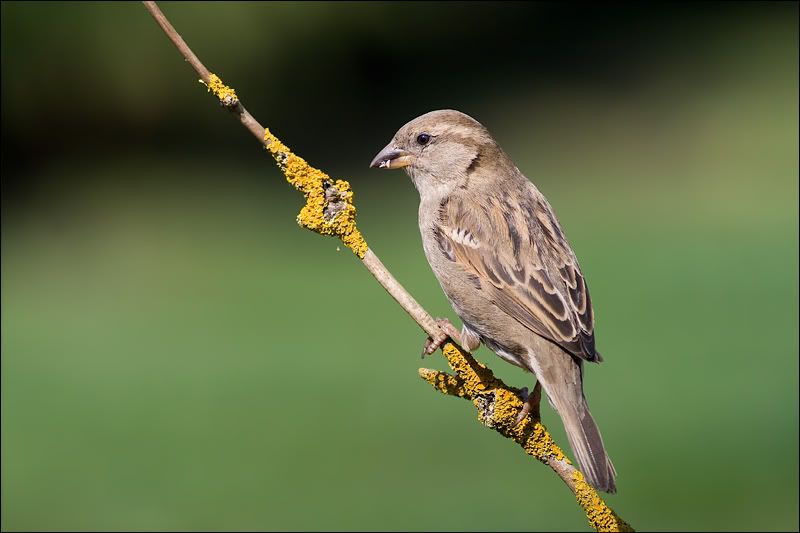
[{"x": 178, "y": 354}]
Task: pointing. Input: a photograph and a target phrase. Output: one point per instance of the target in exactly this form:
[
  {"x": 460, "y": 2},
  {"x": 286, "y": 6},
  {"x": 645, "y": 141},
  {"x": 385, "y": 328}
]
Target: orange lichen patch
[
  {"x": 600, "y": 516},
  {"x": 227, "y": 96},
  {"x": 321, "y": 193}
]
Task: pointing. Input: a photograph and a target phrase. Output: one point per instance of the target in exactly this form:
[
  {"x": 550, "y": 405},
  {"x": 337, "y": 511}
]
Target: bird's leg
[
  {"x": 467, "y": 340},
  {"x": 530, "y": 404}
]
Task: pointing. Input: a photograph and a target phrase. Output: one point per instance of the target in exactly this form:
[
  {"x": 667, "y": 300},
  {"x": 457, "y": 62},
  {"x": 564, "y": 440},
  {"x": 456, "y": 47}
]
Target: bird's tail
[
  {"x": 561, "y": 376},
  {"x": 587, "y": 444}
]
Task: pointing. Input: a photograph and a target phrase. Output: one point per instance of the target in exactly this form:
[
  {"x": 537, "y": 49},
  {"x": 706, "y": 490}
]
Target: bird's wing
[{"x": 516, "y": 249}]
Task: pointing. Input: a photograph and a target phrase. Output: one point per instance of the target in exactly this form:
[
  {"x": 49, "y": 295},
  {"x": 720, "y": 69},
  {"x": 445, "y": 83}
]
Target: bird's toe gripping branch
[{"x": 329, "y": 208}]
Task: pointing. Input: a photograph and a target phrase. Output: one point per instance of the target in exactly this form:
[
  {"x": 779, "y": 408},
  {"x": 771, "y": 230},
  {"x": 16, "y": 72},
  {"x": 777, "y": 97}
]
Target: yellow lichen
[
  {"x": 225, "y": 94},
  {"x": 443, "y": 382},
  {"x": 600, "y": 516},
  {"x": 541, "y": 445},
  {"x": 498, "y": 407},
  {"x": 475, "y": 374},
  {"x": 313, "y": 183},
  {"x": 477, "y": 383}
]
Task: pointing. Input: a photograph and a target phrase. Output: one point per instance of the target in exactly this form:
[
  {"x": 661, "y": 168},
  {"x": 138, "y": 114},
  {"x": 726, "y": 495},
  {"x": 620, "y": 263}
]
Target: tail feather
[
  {"x": 561, "y": 376},
  {"x": 587, "y": 444}
]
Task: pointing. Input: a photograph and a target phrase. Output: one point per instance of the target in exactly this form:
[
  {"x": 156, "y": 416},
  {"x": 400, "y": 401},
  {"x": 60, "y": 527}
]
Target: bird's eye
[{"x": 423, "y": 138}]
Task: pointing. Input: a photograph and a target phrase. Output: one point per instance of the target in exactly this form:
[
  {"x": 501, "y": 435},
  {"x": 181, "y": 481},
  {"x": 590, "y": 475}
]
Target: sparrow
[{"x": 504, "y": 263}]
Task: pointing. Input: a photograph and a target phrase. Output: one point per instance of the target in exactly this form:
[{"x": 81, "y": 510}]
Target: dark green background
[{"x": 178, "y": 354}]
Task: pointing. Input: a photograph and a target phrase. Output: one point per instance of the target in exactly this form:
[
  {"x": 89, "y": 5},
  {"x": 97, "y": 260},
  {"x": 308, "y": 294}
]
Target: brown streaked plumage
[{"x": 501, "y": 257}]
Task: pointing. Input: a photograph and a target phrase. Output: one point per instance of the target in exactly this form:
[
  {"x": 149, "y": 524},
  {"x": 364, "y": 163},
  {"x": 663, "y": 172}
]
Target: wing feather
[{"x": 520, "y": 254}]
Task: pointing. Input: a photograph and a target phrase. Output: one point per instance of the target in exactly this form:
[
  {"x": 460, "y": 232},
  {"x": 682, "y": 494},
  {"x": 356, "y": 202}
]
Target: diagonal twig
[{"x": 329, "y": 210}]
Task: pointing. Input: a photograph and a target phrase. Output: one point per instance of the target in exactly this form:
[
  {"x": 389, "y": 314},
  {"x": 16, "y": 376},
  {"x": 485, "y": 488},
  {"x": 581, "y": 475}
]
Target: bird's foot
[
  {"x": 450, "y": 332},
  {"x": 530, "y": 405}
]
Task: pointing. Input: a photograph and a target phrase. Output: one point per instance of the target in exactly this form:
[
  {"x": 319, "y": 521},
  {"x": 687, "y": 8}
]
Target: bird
[{"x": 504, "y": 263}]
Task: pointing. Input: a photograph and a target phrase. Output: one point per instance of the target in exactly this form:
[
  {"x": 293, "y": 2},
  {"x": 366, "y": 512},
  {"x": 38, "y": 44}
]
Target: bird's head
[{"x": 439, "y": 150}]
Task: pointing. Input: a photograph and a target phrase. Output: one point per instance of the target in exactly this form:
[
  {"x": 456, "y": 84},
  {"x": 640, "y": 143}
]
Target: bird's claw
[
  {"x": 431, "y": 345},
  {"x": 530, "y": 405},
  {"x": 450, "y": 332}
]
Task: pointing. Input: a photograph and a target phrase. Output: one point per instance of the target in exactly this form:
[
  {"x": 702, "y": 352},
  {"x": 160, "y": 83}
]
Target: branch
[
  {"x": 329, "y": 210},
  {"x": 498, "y": 405}
]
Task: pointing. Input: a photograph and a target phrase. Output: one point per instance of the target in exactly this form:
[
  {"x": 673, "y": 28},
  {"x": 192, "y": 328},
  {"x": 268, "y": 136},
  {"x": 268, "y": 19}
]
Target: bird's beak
[{"x": 392, "y": 158}]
